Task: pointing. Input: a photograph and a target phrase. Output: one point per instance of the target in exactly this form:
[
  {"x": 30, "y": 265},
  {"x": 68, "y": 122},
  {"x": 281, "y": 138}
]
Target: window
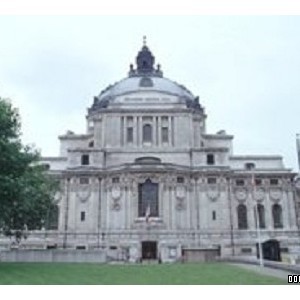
[
  {"x": 165, "y": 134},
  {"x": 258, "y": 182},
  {"x": 211, "y": 180},
  {"x": 277, "y": 216},
  {"x": 45, "y": 167},
  {"x": 52, "y": 217},
  {"x": 129, "y": 134},
  {"x": 85, "y": 160},
  {"x": 210, "y": 159},
  {"x": 274, "y": 181},
  {"x": 180, "y": 180},
  {"x": 80, "y": 247},
  {"x": 82, "y": 216},
  {"x": 249, "y": 166},
  {"x": 261, "y": 216},
  {"x": 115, "y": 180},
  {"x": 242, "y": 216},
  {"x": 147, "y": 133},
  {"x": 148, "y": 199},
  {"x": 214, "y": 216},
  {"x": 84, "y": 180},
  {"x": 91, "y": 144},
  {"x": 246, "y": 250},
  {"x": 240, "y": 182}
]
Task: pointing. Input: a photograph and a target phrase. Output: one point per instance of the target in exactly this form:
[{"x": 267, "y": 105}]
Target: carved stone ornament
[
  {"x": 116, "y": 205},
  {"x": 213, "y": 193},
  {"x": 297, "y": 184},
  {"x": 180, "y": 192},
  {"x": 116, "y": 192},
  {"x": 180, "y": 204},
  {"x": 241, "y": 194},
  {"x": 259, "y": 194},
  {"x": 275, "y": 194},
  {"x": 83, "y": 194}
]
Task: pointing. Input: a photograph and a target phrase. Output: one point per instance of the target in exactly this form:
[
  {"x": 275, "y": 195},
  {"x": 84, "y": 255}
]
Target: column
[
  {"x": 135, "y": 140},
  {"x": 159, "y": 131},
  {"x": 122, "y": 131},
  {"x": 172, "y": 131},
  {"x": 169, "y": 131}
]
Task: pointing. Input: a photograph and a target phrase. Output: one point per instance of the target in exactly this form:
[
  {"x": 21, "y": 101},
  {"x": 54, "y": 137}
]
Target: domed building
[{"x": 146, "y": 181}]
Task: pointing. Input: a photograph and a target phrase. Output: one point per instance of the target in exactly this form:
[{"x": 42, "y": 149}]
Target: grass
[{"x": 67, "y": 273}]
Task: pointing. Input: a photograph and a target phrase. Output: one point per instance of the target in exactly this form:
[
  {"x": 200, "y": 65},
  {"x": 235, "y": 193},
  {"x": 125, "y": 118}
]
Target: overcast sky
[{"x": 246, "y": 71}]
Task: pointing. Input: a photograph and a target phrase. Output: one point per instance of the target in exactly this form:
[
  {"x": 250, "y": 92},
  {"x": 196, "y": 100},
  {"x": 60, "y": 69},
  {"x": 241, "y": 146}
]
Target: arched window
[
  {"x": 261, "y": 216},
  {"x": 148, "y": 199},
  {"x": 242, "y": 216},
  {"x": 277, "y": 216},
  {"x": 147, "y": 133}
]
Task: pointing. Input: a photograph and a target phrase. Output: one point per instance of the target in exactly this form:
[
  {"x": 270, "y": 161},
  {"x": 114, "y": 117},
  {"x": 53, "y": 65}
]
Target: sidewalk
[{"x": 265, "y": 271}]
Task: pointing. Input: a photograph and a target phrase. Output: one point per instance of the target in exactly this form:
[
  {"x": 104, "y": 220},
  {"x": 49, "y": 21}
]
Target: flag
[{"x": 147, "y": 214}]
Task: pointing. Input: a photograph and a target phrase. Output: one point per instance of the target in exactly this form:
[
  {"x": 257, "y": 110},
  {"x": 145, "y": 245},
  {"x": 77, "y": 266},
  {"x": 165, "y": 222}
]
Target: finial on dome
[{"x": 144, "y": 40}]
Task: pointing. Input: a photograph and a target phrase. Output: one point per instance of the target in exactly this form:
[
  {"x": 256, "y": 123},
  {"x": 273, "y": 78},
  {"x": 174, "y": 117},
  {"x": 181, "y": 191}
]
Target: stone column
[
  {"x": 155, "y": 137},
  {"x": 135, "y": 131},
  {"x": 172, "y": 131},
  {"x": 159, "y": 131},
  {"x": 125, "y": 130},
  {"x": 169, "y": 131}
]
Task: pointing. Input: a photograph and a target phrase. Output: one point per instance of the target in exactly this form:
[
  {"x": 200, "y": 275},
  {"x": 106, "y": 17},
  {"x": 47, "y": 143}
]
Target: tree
[{"x": 26, "y": 190}]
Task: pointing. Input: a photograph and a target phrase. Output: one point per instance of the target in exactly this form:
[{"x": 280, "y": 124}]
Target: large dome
[
  {"x": 137, "y": 84},
  {"x": 145, "y": 78}
]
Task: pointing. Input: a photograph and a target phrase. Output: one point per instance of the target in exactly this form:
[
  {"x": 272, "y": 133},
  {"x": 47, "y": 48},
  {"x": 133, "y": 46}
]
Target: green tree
[{"x": 26, "y": 191}]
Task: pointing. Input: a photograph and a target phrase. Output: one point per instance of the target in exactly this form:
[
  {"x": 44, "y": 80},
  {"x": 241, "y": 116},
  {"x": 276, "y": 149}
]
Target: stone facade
[{"x": 147, "y": 127}]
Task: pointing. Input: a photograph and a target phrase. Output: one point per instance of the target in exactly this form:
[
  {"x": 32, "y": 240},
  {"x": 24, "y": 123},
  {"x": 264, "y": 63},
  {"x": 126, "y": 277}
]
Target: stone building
[{"x": 147, "y": 180}]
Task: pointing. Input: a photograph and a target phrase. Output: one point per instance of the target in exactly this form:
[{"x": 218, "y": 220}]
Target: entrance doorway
[
  {"x": 271, "y": 250},
  {"x": 149, "y": 250}
]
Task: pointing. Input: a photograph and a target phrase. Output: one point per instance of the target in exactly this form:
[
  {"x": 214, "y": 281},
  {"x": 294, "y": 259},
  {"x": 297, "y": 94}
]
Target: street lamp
[{"x": 257, "y": 224}]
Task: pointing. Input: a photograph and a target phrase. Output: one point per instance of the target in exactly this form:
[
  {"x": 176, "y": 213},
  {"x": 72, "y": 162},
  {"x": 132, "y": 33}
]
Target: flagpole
[{"x": 257, "y": 224}]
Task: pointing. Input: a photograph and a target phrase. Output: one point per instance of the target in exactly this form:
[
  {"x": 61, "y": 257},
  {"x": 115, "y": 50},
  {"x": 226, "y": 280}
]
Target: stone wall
[{"x": 89, "y": 256}]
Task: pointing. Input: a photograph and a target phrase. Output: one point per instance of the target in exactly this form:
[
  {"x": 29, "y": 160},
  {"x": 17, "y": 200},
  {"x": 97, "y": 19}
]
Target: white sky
[{"x": 245, "y": 69}]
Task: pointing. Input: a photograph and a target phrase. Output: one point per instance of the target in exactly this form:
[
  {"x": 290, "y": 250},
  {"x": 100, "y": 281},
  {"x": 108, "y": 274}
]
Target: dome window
[
  {"x": 146, "y": 82},
  {"x": 210, "y": 159},
  {"x": 85, "y": 160},
  {"x": 249, "y": 166}
]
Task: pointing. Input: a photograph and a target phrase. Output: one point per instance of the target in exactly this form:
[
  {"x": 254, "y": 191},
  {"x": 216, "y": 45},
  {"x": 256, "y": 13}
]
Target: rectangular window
[
  {"x": 129, "y": 134},
  {"x": 210, "y": 159},
  {"x": 180, "y": 179},
  {"x": 85, "y": 159},
  {"x": 84, "y": 180},
  {"x": 165, "y": 134},
  {"x": 211, "y": 180},
  {"x": 82, "y": 216},
  {"x": 246, "y": 250},
  {"x": 273, "y": 181},
  {"x": 240, "y": 182},
  {"x": 214, "y": 215},
  {"x": 258, "y": 182},
  {"x": 115, "y": 180}
]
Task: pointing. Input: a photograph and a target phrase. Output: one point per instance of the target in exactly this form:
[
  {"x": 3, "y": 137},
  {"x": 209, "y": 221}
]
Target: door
[{"x": 149, "y": 250}]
